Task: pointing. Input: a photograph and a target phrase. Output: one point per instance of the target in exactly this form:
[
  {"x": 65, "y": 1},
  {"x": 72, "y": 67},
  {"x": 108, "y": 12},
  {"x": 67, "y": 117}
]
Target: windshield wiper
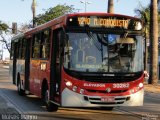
[
  {"x": 102, "y": 40},
  {"x": 90, "y": 35},
  {"x": 97, "y": 44}
]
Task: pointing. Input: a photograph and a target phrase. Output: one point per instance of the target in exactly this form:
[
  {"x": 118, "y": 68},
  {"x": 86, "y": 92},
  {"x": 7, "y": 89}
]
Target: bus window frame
[
  {"x": 38, "y": 36},
  {"x": 44, "y": 43},
  {"x": 41, "y": 34}
]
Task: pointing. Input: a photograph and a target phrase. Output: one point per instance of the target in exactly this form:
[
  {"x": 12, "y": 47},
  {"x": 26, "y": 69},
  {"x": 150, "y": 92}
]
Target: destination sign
[
  {"x": 105, "y": 21},
  {"x": 109, "y": 23}
]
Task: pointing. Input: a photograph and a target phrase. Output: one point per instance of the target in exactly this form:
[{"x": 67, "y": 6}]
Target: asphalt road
[{"x": 31, "y": 107}]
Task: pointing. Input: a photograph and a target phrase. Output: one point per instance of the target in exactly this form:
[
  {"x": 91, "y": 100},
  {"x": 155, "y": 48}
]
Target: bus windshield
[{"x": 99, "y": 52}]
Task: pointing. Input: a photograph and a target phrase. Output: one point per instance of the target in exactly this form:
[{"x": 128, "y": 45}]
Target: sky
[{"x": 20, "y": 10}]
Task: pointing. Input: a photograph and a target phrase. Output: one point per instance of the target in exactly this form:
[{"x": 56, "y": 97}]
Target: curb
[{"x": 6, "y": 67}]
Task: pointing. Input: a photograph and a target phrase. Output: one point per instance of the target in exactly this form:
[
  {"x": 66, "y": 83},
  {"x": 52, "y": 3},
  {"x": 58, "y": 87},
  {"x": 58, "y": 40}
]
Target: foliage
[
  {"x": 151, "y": 18},
  {"x": 52, "y": 13},
  {"x": 3, "y": 27},
  {"x": 3, "y": 30},
  {"x": 144, "y": 14}
]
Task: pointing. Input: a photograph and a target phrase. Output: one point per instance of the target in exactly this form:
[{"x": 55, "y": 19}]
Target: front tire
[{"x": 51, "y": 107}]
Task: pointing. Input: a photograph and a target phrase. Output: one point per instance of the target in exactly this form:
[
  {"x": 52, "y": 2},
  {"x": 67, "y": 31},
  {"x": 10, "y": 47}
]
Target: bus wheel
[
  {"x": 49, "y": 105},
  {"x": 107, "y": 108},
  {"x": 19, "y": 89}
]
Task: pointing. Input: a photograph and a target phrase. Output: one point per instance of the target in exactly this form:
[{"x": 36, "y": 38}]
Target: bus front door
[{"x": 55, "y": 76}]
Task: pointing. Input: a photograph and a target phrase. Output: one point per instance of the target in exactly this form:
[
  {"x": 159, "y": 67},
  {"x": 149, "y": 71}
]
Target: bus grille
[
  {"x": 105, "y": 92},
  {"x": 97, "y": 100}
]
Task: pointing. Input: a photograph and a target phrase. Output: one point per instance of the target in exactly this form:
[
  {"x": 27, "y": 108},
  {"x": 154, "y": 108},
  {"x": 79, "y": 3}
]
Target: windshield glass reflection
[{"x": 93, "y": 52}]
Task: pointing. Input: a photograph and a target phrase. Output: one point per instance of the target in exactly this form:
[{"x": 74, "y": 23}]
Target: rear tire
[
  {"x": 51, "y": 107},
  {"x": 19, "y": 89}
]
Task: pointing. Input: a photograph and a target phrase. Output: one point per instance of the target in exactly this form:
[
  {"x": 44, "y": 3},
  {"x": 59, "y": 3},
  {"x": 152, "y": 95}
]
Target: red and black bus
[{"x": 81, "y": 60}]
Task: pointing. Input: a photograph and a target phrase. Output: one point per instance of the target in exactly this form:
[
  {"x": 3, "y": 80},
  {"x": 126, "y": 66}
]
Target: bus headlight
[{"x": 68, "y": 84}]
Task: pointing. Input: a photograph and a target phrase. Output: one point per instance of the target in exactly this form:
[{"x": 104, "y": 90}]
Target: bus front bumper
[{"x": 72, "y": 99}]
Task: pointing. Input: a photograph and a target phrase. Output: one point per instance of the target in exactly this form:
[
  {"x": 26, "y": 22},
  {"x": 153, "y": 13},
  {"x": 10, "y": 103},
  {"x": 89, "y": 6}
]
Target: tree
[
  {"x": 144, "y": 14},
  {"x": 3, "y": 27},
  {"x": 52, "y": 13},
  {"x": 110, "y": 6},
  {"x": 154, "y": 42},
  {"x": 3, "y": 30},
  {"x": 150, "y": 16}
]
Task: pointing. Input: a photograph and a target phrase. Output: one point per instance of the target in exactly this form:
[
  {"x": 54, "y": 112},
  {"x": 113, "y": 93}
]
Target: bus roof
[
  {"x": 101, "y": 14},
  {"x": 62, "y": 20},
  {"x": 14, "y": 38}
]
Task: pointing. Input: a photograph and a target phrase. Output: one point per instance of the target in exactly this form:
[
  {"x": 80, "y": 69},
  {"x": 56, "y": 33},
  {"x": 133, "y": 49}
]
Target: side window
[
  {"x": 23, "y": 48},
  {"x": 12, "y": 50},
  {"x": 45, "y": 44},
  {"x": 19, "y": 49},
  {"x": 36, "y": 46}
]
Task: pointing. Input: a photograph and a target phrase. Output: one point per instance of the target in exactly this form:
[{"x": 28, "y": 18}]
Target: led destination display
[{"x": 105, "y": 21}]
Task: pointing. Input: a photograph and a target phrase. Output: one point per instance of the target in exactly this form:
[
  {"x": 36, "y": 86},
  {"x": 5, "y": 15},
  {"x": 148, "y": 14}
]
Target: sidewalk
[
  {"x": 4, "y": 65},
  {"x": 152, "y": 90},
  {"x": 7, "y": 109}
]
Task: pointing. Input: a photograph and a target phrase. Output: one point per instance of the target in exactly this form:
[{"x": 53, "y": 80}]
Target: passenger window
[
  {"x": 36, "y": 46},
  {"x": 45, "y": 44},
  {"x": 23, "y": 48}
]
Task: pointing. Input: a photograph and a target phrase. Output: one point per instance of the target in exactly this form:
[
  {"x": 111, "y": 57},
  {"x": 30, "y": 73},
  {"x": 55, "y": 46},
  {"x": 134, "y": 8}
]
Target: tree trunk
[
  {"x": 110, "y": 6},
  {"x": 154, "y": 43}
]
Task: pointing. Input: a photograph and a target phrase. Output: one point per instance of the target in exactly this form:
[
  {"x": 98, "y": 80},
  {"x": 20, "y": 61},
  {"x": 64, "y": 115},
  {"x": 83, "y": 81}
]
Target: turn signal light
[
  {"x": 81, "y": 91},
  {"x": 74, "y": 88},
  {"x": 140, "y": 85}
]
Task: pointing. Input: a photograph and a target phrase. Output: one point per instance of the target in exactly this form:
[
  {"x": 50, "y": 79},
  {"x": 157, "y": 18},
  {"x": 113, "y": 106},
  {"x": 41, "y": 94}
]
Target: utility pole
[
  {"x": 85, "y": 4},
  {"x": 33, "y": 7},
  {"x": 14, "y": 28},
  {"x": 110, "y": 6}
]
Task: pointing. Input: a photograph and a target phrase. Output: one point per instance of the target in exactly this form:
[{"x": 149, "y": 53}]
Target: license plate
[{"x": 107, "y": 99}]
